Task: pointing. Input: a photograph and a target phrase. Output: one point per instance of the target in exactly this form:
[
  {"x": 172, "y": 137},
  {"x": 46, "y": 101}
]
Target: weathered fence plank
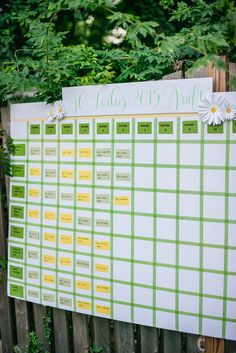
[
  {"x": 170, "y": 341},
  {"x": 22, "y": 323},
  {"x": 214, "y": 345},
  {"x": 230, "y": 346},
  {"x": 124, "y": 337},
  {"x": 101, "y": 331},
  {"x": 80, "y": 333},
  {"x": 195, "y": 344},
  {"x": 5, "y": 303},
  {"x": 61, "y": 334},
  {"x": 39, "y": 314},
  {"x": 21, "y": 309},
  {"x": 149, "y": 339}
]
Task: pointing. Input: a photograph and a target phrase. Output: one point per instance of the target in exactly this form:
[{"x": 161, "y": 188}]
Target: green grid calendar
[{"x": 131, "y": 218}]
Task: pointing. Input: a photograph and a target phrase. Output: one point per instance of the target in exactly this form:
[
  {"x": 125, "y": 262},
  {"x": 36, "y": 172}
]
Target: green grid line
[
  {"x": 128, "y": 188},
  {"x": 151, "y": 308},
  {"x": 136, "y": 284},
  {"x": 92, "y": 217},
  {"x": 26, "y": 213},
  {"x": 177, "y": 224},
  {"x": 58, "y": 203},
  {"x": 112, "y": 220},
  {"x": 75, "y": 225},
  {"x": 132, "y": 221},
  {"x": 151, "y": 263},
  {"x": 126, "y": 164},
  {"x": 158, "y": 215},
  {"x": 201, "y": 228},
  {"x": 227, "y": 158},
  {"x": 174, "y": 141},
  {"x": 149, "y": 239},
  {"x": 155, "y": 239},
  {"x": 41, "y": 216}
]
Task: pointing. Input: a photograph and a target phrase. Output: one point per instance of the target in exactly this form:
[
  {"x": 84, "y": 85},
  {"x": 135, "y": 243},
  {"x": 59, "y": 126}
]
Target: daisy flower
[
  {"x": 59, "y": 110},
  {"x": 50, "y": 113},
  {"x": 212, "y": 110},
  {"x": 229, "y": 111}
]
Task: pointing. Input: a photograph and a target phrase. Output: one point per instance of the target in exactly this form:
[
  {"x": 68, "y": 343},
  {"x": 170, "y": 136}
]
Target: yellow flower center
[
  {"x": 228, "y": 110},
  {"x": 60, "y": 110},
  {"x": 213, "y": 109}
]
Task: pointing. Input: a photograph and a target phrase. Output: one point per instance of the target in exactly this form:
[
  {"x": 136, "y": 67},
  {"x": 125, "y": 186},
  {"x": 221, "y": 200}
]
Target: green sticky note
[
  {"x": 234, "y": 126},
  {"x": 16, "y": 272},
  {"x": 145, "y": 127},
  {"x": 18, "y": 191},
  {"x": 215, "y": 129},
  {"x": 18, "y": 170},
  {"x": 166, "y": 127},
  {"x": 103, "y": 128},
  {"x": 16, "y": 232},
  {"x": 67, "y": 129},
  {"x": 17, "y": 212},
  {"x": 84, "y": 129},
  {"x": 19, "y": 149},
  {"x": 50, "y": 129},
  {"x": 34, "y": 129},
  {"x": 16, "y": 252},
  {"x": 190, "y": 127},
  {"x": 122, "y": 128},
  {"x": 16, "y": 290}
]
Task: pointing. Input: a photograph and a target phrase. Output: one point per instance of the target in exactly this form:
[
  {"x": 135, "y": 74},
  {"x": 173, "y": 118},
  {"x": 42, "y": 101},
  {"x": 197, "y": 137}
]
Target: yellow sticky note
[
  {"x": 33, "y": 213},
  {"x": 103, "y": 289},
  {"x": 50, "y": 259},
  {"x": 83, "y": 241},
  {"x": 85, "y": 152},
  {"x": 83, "y": 285},
  {"x": 50, "y": 237},
  {"x": 102, "y": 309},
  {"x": 101, "y": 267},
  {"x": 83, "y": 198},
  {"x": 85, "y": 175},
  {"x": 35, "y": 171},
  {"x": 65, "y": 261},
  {"x": 34, "y": 192},
  {"x": 49, "y": 279},
  {"x": 66, "y": 239},
  {"x": 121, "y": 200},
  {"x": 65, "y": 218},
  {"x": 67, "y": 174},
  {"x": 83, "y": 305},
  {"x": 49, "y": 215},
  {"x": 67, "y": 153},
  {"x": 102, "y": 245}
]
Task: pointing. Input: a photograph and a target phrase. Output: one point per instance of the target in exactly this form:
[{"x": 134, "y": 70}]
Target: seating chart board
[{"x": 122, "y": 215}]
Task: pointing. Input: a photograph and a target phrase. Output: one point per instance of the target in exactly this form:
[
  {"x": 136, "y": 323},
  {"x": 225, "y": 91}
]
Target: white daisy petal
[
  {"x": 211, "y": 110},
  {"x": 229, "y": 111},
  {"x": 50, "y": 112},
  {"x": 59, "y": 110}
]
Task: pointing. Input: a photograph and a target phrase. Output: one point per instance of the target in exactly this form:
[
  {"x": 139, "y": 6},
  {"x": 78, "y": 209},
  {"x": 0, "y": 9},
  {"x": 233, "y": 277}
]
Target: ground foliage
[{"x": 45, "y": 45}]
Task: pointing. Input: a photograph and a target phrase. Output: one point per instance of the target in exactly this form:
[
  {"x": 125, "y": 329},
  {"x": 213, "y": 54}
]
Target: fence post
[{"x": 6, "y": 323}]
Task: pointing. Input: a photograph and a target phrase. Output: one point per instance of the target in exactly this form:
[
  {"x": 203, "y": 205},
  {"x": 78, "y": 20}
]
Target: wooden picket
[{"x": 75, "y": 333}]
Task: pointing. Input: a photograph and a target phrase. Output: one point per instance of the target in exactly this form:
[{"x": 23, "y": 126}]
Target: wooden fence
[{"x": 75, "y": 333}]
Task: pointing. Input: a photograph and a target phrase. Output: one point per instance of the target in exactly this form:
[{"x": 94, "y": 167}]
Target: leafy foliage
[
  {"x": 34, "y": 345},
  {"x": 3, "y": 266},
  {"x": 45, "y": 45},
  {"x": 6, "y": 150},
  {"x": 95, "y": 349},
  {"x": 48, "y": 325}
]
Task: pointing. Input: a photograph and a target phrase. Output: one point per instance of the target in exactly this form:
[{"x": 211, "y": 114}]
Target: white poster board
[{"x": 126, "y": 210}]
